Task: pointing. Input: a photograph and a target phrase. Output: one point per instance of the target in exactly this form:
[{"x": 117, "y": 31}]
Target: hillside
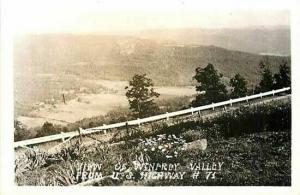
[
  {"x": 252, "y": 142},
  {"x": 118, "y": 58},
  {"x": 259, "y": 39}
]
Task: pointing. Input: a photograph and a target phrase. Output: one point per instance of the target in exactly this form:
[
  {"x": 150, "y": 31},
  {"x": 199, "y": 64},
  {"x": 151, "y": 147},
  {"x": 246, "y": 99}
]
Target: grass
[{"x": 251, "y": 156}]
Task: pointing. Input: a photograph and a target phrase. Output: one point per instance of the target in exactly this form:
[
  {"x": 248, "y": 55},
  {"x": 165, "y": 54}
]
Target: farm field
[{"x": 88, "y": 104}]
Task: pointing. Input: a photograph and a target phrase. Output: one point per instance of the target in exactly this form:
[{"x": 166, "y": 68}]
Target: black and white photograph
[{"x": 140, "y": 94}]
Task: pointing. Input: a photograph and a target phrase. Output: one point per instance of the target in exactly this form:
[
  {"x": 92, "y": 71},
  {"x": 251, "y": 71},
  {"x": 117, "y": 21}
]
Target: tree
[
  {"x": 282, "y": 78},
  {"x": 209, "y": 83},
  {"x": 141, "y": 95},
  {"x": 239, "y": 85},
  {"x": 267, "y": 81}
]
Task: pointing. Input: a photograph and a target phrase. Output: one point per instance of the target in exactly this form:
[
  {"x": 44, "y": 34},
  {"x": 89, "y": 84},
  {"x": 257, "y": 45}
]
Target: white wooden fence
[{"x": 192, "y": 110}]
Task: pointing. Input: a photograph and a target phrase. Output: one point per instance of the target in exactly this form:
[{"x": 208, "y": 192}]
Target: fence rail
[{"x": 63, "y": 136}]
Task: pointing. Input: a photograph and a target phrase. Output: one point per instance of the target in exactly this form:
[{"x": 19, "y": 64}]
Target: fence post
[
  {"x": 104, "y": 130},
  {"x": 62, "y": 139},
  {"x": 273, "y": 92},
  {"x": 247, "y": 98},
  {"x": 138, "y": 121},
  {"x": 213, "y": 106},
  {"x": 80, "y": 136},
  {"x": 127, "y": 129},
  {"x": 167, "y": 116},
  {"x": 260, "y": 95},
  {"x": 230, "y": 102},
  {"x": 192, "y": 110}
]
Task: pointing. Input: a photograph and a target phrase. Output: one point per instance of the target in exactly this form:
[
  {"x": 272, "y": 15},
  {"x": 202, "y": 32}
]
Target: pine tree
[
  {"x": 141, "y": 95},
  {"x": 239, "y": 85},
  {"x": 282, "y": 78},
  {"x": 267, "y": 81},
  {"x": 209, "y": 83}
]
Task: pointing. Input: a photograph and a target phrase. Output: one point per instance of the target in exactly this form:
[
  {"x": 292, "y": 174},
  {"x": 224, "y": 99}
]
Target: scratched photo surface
[{"x": 106, "y": 97}]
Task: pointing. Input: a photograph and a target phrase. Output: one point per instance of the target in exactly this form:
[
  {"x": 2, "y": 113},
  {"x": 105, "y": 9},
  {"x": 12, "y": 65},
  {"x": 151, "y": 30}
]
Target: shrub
[
  {"x": 192, "y": 135},
  {"x": 21, "y": 132},
  {"x": 276, "y": 117},
  {"x": 47, "y": 129}
]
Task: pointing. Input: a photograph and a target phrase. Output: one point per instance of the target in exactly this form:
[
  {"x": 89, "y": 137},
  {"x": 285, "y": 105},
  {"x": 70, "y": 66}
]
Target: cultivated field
[{"x": 89, "y": 102}]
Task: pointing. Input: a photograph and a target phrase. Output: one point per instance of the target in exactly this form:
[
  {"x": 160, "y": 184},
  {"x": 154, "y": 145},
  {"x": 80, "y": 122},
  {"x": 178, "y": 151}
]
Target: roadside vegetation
[{"x": 254, "y": 144}]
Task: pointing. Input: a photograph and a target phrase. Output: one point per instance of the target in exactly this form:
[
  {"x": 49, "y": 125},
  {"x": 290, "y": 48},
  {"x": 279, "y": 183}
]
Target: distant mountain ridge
[
  {"x": 120, "y": 57},
  {"x": 257, "y": 39}
]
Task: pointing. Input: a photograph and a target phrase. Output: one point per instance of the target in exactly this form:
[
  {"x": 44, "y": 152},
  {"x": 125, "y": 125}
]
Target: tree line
[
  {"x": 141, "y": 96},
  {"x": 210, "y": 87}
]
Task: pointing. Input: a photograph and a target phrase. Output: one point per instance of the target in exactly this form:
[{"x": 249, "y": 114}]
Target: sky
[{"x": 131, "y": 16}]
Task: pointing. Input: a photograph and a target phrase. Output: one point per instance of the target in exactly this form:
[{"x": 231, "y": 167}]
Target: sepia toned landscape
[
  {"x": 82, "y": 66},
  {"x": 169, "y": 106}
]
